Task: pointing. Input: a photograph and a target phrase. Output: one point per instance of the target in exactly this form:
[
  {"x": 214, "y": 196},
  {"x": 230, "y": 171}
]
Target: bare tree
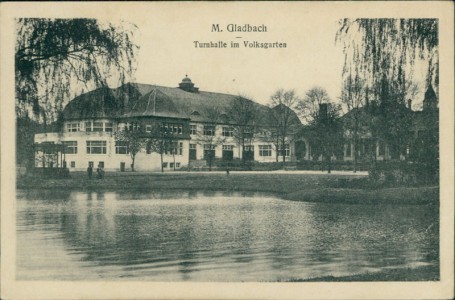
[
  {"x": 284, "y": 120},
  {"x": 308, "y": 107},
  {"x": 133, "y": 139},
  {"x": 161, "y": 141},
  {"x": 243, "y": 116}
]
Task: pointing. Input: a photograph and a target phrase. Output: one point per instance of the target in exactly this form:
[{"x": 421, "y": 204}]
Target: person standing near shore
[{"x": 90, "y": 172}]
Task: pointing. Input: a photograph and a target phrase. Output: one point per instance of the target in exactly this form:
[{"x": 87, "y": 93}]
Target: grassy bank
[
  {"x": 329, "y": 188},
  {"x": 423, "y": 273}
]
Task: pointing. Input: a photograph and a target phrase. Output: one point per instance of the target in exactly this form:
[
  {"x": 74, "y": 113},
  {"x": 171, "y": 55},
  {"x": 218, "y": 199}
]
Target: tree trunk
[
  {"x": 355, "y": 144},
  {"x": 356, "y": 157},
  {"x": 161, "y": 157},
  {"x": 133, "y": 157},
  {"x": 329, "y": 165},
  {"x": 243, "y": 152}
]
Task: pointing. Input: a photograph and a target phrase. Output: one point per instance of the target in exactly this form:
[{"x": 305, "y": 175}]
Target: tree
[
  {"x": 325, "y": 133},
  {"x": 308, "y": 107},
  {"x": 160, "y": 141},
  {"x": 208, "y": 137},
  {"x": 384, "y": 53},
  {"x": 243, "y": 115},
  {"x": 57, "y": 57},
  {"x": 133, "y": 139},
  {"x": 387, "y": 50},
  {"x": 354, "y": 96},
  {"x": 284, "y": 120}
]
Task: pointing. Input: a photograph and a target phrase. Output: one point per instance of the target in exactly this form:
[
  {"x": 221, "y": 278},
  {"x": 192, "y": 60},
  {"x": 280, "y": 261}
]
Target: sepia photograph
[{"x": 227, "y": 145}]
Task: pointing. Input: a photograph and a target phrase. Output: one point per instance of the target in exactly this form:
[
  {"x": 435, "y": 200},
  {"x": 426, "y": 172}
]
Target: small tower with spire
[
  {"x": 187, "y": 85},
  {"x": 430, "y": 102}
]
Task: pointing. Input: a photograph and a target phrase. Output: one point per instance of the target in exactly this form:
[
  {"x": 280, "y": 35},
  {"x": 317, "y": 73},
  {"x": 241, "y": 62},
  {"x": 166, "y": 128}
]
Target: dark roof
[
  {"x": 430, "y": 93},
  {"x": 138, "y": 100},
  {"x": 421, "y": 120}
]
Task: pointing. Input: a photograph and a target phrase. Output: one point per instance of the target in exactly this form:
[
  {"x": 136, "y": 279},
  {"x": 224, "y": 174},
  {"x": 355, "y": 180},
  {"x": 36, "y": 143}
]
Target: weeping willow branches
[
  {"x": 383, "y": 52},
  {"x": 55, "y": 58}
]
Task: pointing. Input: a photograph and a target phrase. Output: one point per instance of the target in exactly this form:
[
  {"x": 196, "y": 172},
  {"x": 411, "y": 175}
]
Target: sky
[{"x": 167, "y": 51}]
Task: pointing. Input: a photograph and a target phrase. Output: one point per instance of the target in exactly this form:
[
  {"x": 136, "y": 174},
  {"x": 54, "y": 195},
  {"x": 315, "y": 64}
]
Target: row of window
[
  {"x": 171, "y": 165},
  {"x": 174, "y": 128},
  {"x": 121, "y": 147},
  {"x": 175, "y": 148},
  {"x": 210, "y": 130},
  {"x": 90, "y": 126},
  {"x": 101, "y": 164}
]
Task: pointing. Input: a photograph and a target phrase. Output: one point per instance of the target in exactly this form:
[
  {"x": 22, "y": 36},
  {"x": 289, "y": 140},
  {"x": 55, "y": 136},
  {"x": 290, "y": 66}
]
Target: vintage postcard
[{"x": 227, "y": 150}]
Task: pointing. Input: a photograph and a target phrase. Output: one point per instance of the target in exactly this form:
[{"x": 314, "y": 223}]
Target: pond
[{"x": 213, "y": 236}]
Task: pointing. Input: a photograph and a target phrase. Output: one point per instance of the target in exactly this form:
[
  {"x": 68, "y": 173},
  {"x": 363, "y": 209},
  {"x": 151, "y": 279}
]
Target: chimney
[{"x": 410, "y": 104}]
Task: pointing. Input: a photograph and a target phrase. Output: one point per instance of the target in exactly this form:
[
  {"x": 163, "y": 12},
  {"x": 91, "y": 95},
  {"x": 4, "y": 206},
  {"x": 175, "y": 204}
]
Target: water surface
[{"x": 214, "y": 236}]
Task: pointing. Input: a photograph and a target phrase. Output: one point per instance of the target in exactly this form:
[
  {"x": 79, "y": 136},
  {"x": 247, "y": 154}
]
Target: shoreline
[
  {"x": 421, "y": 273},
  {"x": 313, "y": 187}
]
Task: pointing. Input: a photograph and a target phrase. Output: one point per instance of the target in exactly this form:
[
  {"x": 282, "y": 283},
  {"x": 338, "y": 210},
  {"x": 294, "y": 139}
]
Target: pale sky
[
  {"x": 167, "y": 31},
  {"x": 311, "y": 58}
]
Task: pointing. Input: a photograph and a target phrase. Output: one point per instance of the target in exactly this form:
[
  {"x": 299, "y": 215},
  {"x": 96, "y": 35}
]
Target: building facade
[
  {"x": 199, "y": 129},
  {"x": 197, "y": 126}
]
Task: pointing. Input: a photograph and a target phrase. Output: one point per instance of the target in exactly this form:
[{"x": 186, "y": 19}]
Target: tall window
[
  {"x": 70, "y": 147},
  {"x": 228, "y": 152},
  {"x": 248, "y": 152},
  {"x": 228, "y": 131},
  {"x": 209, "y": 151},
  {"x": 121, "y": 147},
  {"x": 96, "y": 147},
  {"x": 265, "y": 150},
  {"x": 73, "y": 127},
  {"x": 209, "y": 130},
  {"x": 287, "y": 150},
  {"x": 192, "y": 151},
  {"x": 193, "y": 129}
]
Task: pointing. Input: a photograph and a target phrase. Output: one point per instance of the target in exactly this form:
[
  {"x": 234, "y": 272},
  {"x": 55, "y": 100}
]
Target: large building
[
  {"x": 198, "y": 123},
  {"x": 201, "y": 128}
]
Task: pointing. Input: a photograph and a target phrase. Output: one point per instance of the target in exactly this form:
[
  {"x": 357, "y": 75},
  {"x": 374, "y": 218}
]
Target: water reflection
[{"x": 212, "y": 236}]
